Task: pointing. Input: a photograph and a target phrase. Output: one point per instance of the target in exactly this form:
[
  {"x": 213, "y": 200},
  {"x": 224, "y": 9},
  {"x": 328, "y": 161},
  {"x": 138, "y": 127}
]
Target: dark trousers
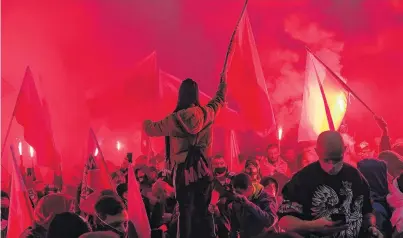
[{"x": 195, "y": 221}]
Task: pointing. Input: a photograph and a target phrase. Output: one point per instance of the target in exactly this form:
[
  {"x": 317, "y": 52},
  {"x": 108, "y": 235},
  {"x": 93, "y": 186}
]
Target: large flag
[
  {"x": 313, "y": 116},
  {"x": 136, "y": 208},
  {"x": 21, "y": 211},
  {"x": 170, "y": 84},
  {"x": 231, "y": 153},
  {"x": 246, "y": 82},
  {"x": 130, "y": 100},
  {"x": 96, "y": 177},
  {"x": 30, "y": 113}
]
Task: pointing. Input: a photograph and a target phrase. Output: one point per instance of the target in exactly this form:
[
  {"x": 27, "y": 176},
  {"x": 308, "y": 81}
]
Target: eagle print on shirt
[{"x": 324, "y": 203}]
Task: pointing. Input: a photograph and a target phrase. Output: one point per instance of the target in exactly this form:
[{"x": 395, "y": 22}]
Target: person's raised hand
[{"x": 381, "y": 123}]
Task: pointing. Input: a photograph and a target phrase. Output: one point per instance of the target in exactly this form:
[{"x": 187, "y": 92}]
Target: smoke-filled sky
[{"x": 76, "y": 48}]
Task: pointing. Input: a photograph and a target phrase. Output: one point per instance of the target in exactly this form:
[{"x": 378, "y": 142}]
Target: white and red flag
[
  {"x": 314, "y": 118},
  {"x": 96, "y": 177}
]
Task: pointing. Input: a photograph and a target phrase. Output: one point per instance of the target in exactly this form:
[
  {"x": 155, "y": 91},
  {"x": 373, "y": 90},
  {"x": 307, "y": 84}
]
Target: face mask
[{"x": 220, "y": 170}]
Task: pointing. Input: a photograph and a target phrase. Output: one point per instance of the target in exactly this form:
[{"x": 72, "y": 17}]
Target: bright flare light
[
  {"x": 342, "y": 103},
  {"x": 118, "y": 145},
  {"x": 20, "y": 147},
  {"x": 31, "y": 151},
  {"x": 280, "y": 133},
  {"x": 96, "y": 152}
]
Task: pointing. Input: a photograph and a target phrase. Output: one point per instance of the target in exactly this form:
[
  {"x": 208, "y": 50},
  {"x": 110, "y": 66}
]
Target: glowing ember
[
  {"x": 341, "y": 102},
  {"x": 280, "y": 133},
  {"x": 20, "y": 148},
  {"x": 31, "y": 151}
]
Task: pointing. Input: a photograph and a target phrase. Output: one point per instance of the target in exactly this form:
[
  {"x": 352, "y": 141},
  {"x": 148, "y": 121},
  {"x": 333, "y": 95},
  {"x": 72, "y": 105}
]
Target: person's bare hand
[
  {"x": 325, "y": 226},
  {"x": 374, "y": 232},
  {"x": 241, "y": 198},
  {"x": 321, "y": 222}
]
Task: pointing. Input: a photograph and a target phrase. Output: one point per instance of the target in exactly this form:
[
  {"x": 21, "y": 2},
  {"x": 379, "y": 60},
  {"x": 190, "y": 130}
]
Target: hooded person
[
  {"x": 67, "y": 225},
  {"x": 394, "y": 162},
  {"x": 375, "y": 172},
  {"x": 188, "y": 132},
  {"x": 46, "y": 209},
  {"x": 395, "y": 200},
  {"x": 252, "y": 168}
]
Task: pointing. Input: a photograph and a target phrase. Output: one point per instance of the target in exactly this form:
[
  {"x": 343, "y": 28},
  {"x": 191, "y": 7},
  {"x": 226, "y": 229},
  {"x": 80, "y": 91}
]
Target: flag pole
[
  {"x": 322, "y": 91},
  {"x": 343, "y": 84},
  {"x": 229, "y": 50}
]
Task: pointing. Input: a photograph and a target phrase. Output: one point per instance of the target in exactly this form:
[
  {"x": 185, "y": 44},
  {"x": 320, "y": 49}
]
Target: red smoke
[{"x": 79, "y": 48}]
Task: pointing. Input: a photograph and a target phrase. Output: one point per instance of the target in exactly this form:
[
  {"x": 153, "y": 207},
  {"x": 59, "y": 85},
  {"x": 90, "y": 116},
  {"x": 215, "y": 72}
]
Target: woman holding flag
[{"x": 189, "y": 137}]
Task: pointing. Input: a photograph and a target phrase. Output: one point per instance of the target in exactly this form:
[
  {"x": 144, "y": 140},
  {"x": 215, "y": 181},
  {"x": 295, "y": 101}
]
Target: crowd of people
[{"x": 321, "y": 191}]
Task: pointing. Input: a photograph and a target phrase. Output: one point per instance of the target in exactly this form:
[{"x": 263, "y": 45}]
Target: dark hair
[
  {"x": 242, "y": 181},
  {"x": 218, "y": 156},
  {"x": 121, "y": 189},
  {"x": 269, "y": 146},
  {"x": 4, "y": 195},
  {"x": 107, "y": 192},
  {"x": 188, "y": 95},
  {"x": 67, "y": 225},
  {"x": 108, "y": 205},
  {"x": 269, "y": 180}
]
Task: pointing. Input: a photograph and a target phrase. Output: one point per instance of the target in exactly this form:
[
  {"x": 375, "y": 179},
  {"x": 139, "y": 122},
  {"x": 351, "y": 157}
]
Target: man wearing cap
[{"x": 328, "y": 197}]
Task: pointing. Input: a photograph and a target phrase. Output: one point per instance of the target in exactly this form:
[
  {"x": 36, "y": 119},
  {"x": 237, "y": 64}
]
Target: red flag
[
  {"x": 95, "y": 178},
  {"x": 313, "y": 116},
  {"x": 136, "y": 209},
  {"x": 21, "y": 211},
  {"x": 119, "y": 103},
  {"x": 170, "y": 87},
  {"x": 231, "y": 153},
  {"x": 30, "y": 113},
  {"x": 246, "y": 82}
]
